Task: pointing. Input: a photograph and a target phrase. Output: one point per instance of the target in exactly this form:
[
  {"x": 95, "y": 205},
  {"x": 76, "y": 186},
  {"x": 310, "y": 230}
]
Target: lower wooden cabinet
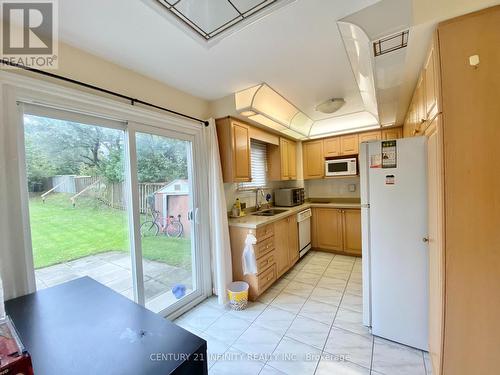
[
  {"x": 352, "y": 231},
  {"x": 337, "y": 230},
  {"x": 281, "y": 245},
  {"x": 276, "y": 251},
  {"x": 327, "y": 223},
  {"x": 293, "y": 240},
  {"x": 286, "y": 244}
]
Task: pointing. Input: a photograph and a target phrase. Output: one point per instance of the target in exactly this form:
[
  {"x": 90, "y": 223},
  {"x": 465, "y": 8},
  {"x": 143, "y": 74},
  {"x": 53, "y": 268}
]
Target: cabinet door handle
[{"x": 425, "y": 239}]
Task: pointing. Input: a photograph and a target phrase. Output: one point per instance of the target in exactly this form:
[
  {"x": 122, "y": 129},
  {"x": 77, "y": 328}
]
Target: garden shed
[{"x": 173, "y": 200}]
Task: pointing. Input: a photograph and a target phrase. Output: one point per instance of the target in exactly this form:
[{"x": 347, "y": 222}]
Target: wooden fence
[
  {"x": 112, "y": 194},
  {"x": 81, "y": 182}
]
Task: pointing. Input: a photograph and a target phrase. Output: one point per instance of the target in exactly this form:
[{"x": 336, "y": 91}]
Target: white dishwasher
[{"x": 304, "y": 223}]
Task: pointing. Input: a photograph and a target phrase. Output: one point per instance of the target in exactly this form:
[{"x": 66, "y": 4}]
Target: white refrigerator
[{"x": 394, "y": 228}]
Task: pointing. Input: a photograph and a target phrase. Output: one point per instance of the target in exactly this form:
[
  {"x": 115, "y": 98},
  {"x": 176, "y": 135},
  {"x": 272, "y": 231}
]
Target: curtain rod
[{"x": 132, "y": 101}]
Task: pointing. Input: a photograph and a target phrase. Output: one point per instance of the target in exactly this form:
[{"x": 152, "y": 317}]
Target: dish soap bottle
[{"x": 238, "y": 206}]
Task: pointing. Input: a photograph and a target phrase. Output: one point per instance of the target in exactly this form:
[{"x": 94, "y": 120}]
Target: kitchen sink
[{"x": 271, "y": 212}]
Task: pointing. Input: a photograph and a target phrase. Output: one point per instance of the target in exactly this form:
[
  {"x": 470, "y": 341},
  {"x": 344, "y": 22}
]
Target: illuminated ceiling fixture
[
  {"x": 212, "y": 18},
  {"x": 331, "y": 105},
  {"x": 264, "y": 105}
]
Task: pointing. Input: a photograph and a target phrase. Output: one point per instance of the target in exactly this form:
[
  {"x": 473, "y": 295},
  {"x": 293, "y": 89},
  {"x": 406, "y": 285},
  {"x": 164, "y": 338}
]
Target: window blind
[{"x": 258, "y": 161}]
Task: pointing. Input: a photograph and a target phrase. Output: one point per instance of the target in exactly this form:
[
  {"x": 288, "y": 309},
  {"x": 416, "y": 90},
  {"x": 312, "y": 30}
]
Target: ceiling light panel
[
  {"x": 211, "y": 18},
  {"x": 264, "y": 105},
  {"x": 346, "y": 123}
]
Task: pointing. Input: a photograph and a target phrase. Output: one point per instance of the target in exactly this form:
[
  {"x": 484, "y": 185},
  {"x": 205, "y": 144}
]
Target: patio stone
[
  {"x": 113, "y": 275},
  {"x": 122, "y": 284},
  {"x": 113, "y": 269},
  {"x": 153, "y": 288}
]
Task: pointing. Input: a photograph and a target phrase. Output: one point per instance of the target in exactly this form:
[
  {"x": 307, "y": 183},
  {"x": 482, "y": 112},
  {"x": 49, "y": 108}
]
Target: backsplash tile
[
  {"x": 231, "y": 191},
  {"x": 325, "y": 188},
  {"x": 332, "y": 188}
]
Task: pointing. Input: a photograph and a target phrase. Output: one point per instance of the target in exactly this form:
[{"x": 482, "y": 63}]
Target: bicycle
[{"x": 153, "y": 227}]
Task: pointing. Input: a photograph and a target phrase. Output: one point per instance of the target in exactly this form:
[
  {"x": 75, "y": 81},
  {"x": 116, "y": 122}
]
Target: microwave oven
[
  {"x": 341, "y": 167},
  {"x": 289, "y": 197}
]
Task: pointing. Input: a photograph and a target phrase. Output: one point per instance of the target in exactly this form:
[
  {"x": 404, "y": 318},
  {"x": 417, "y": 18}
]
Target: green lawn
[{"x": 61, "y": 233}]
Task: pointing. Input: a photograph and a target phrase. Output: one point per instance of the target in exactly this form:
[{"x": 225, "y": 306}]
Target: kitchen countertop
[{"x": 253, "y": 222}]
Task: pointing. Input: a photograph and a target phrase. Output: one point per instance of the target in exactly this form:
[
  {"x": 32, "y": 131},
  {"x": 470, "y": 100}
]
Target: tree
[
  {"x": 65, "y": 147},
  {"x": 37, "y": 165}
]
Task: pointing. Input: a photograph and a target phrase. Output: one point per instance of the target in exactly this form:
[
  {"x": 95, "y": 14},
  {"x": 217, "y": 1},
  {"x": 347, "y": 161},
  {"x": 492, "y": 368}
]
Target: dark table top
[{"x": 83, "y": 327}]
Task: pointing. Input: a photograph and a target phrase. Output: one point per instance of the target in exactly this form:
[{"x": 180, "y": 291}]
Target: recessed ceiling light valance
[
  {"x": 264, "y": 105},
  {"x": 267, "y": 107}
]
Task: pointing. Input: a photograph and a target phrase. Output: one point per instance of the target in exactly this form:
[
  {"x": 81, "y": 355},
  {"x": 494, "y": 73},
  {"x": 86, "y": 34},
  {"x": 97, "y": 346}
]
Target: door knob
[{"x": 425, "y": 239}]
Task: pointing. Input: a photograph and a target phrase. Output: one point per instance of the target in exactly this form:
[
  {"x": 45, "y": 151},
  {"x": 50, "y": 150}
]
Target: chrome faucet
[{"x": 258, "y": 205}]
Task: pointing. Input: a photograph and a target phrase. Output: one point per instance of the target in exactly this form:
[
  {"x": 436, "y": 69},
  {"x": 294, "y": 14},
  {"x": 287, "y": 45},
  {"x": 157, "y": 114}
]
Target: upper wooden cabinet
[
  {"x": 349, "y": 144},
  {"x": 370, "y": 136},
  {"x": 313, "y": 159},
  {"x": 292, "y": 159},
  {"x": 392, "y": 133},
  {"x": 431, "y": 75},
  {"x": 234, "y": 148},
  {"x": 425, "y": 105},
  {"x": 282, "y": 160},
  {"x": 341, "y": 145},
  {"x": 331, "y": 147}
]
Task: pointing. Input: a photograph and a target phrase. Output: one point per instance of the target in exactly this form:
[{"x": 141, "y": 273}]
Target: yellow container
[{"x": 238, "y": 295}]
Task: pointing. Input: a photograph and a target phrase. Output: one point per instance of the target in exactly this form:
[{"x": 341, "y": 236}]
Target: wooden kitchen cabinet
[
  {"x": 352, "y": 231},
  {"x": 276, "y": 251},
  {"x": 281, "y": 246},
  {"x": 265, "y": 254},
  {"x": 392, "y": 133},
  {"x": 282, "y": 160},
  {"x": 293, "y": 241},
  {"x": 313, "y": 160},
  {"x": 234, "y": 148},
  {"x": 292, "y": 159},
  {"x": 420, "y": 109},
  {"x": 370, "y": 136},
  {"x": 331, "y": 147},
  {"x": 286, "y": 244},
  {"x": 337, "y": 230},
  {"x": 349, "y": 144},
  {"x": 431, "y": 71},
  {"x": 341, "y": 145},
  {"x": 327, "y": 224}
]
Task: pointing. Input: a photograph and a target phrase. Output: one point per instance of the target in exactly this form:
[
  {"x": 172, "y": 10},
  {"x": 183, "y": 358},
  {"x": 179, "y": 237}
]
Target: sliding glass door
[
  {"x": 116, "y": 202},
  {"x": 77, "y": 201},
  {"x": 164, "y": 185}
]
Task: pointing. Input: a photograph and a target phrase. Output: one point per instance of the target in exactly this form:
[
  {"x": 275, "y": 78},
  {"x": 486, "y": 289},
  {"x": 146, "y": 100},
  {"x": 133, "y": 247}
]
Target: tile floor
[
  {"x": 308, "y": 322},
  {"x": 113, "y": 269}
]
